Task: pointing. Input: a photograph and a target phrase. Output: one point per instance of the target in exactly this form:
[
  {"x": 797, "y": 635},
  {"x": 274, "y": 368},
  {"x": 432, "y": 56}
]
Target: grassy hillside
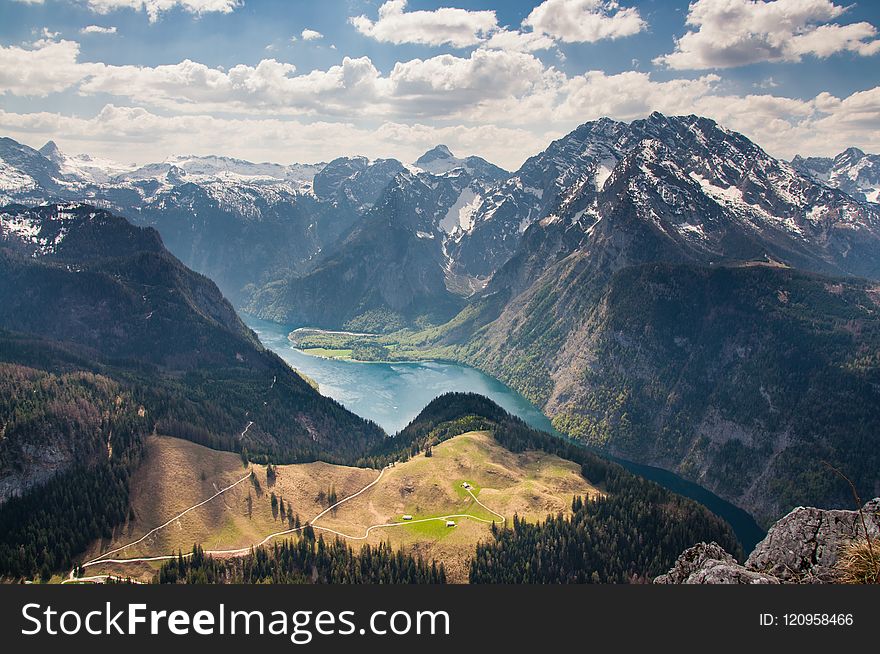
[
  {"x": 517, "y": 476},
  {"x": 176, "y": 474}
]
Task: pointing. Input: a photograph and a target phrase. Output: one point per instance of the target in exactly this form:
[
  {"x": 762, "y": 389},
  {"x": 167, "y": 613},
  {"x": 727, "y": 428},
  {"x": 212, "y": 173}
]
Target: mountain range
[{"x": 664, "y": 289}]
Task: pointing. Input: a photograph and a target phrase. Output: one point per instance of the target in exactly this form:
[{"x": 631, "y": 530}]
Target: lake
[{"x": 392, "y": 394}]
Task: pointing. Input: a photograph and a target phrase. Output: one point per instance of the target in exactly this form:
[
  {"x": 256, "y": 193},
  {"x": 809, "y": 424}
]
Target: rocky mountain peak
[
  {"x": 852, "y": 171},
  {"x": 175, "y": 175},
  {"x": 437, "y": 153},
  {"x": 850, "y": 155},
  {"x": 52, "y": 152}
]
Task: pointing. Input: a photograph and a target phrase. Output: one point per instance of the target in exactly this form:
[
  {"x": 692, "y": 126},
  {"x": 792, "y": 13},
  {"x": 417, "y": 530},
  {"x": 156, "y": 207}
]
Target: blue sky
[{"x": 139, "y": 80}]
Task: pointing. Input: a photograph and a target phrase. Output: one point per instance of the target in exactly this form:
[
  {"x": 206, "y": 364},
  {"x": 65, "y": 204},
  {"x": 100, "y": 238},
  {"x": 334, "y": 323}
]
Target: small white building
[
  {"x": 450, "y": 523},
  {"x": 466, "y": 486},
  {"x": 407, "y": 517}
]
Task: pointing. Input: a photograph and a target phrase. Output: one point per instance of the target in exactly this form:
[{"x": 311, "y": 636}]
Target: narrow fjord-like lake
[{"x": 392, "y": 394}]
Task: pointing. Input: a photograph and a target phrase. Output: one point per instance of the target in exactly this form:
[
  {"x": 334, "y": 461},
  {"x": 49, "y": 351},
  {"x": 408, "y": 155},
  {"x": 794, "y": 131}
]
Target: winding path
[
  {"x": 244, "y": 550},
  {"x": 165, "y": 524},
  {"x": 503, "y": 519}
]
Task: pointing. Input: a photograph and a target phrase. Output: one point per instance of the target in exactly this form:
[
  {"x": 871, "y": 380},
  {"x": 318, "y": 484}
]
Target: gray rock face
[
  {"x": 803, "y": 547},
  {"x": 711, "y": 564}
]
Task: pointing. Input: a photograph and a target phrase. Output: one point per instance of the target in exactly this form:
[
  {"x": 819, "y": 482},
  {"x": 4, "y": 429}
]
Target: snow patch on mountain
[
  {"x": 603, "y": 171},
  {"x": 12, "y": 179},
  {"x": 461, "y": 214},
  {"x": 43, "y": 234}
]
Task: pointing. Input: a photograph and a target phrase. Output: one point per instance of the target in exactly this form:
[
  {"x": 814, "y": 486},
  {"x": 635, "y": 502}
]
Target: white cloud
[
  {"x": 584, "y": 21},
  {"x": 270, "y": 86},
  {"x": 454, "y": 86},
  {"x": 497, "y": 101},
  {"x": 519, "y": 41},
  {"x": 45, "y": 66},
  {"x": 444, "y": 86},
  {"x": 570, "y": 21},
  {"x": 445, "y": 26},
  {"x": 311, "y": 35},
  {"x": 731, "y": 33},
  {"x": 822, "y": 125},
  {"x": 155, "y": 8},
  {"x": 97, "y": 29},
  {"x": 629, "y": 95}
]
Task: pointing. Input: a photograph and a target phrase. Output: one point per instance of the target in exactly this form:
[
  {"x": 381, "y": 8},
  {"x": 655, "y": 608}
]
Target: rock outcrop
[
  {"x": 803, "y": 547},
  {"x": 711, "y": 564}
]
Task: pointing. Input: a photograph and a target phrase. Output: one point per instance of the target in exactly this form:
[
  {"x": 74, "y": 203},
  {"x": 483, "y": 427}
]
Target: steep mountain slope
[
  {"x": 391, "y": 270},
  {"x": 744, "y": 379},
  {"x": 52, "y": 422},
  {"x": 82, "y": 289},
  {"x": 355, "y": 182},
  {"x": 582, "y": 159},
  {"x": 696, "y": 194},
  {"x": 24, "y": 170},
  {"x": 852, "y": 171},
  {"x": 73, "y": 273}
]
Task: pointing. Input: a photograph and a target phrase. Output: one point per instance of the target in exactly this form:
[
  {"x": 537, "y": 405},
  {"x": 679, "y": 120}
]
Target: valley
[{"x": 391, "y": 394}]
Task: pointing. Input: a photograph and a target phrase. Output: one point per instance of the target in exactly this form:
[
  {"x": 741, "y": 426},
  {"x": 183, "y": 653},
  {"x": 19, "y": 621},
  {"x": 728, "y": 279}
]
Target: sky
[{"x": 304, "y": 81}]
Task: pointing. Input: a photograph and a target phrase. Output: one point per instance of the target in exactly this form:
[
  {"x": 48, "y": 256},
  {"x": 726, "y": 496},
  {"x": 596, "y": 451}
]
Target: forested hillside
[
  {"x": 746, "y": 379},
  {"x": 307, "y": 560},
  {"x": 104, "y": 338}
]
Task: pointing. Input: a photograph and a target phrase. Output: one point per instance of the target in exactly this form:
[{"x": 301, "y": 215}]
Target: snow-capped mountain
[
  {"x": 440, "y": 160},
  {"x": 230, "y": 219},
  {"x": 82, "y": 168},
  {"x": 852, "y": 171},
  {"x": 25, "y": 172},
  {"x": 705, "y": 188},
  {"x": 355, "y": 181},
  {"x": 392, "y": 264},
  {"x": 677, "y": 188}
]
